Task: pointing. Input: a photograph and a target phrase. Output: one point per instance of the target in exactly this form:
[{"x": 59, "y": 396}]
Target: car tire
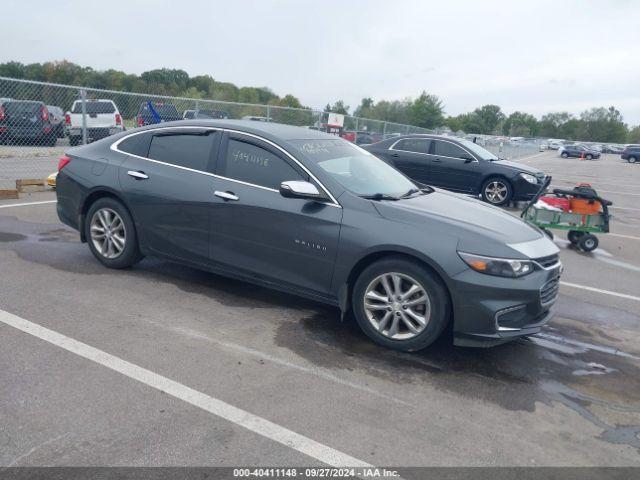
[
  {"x": 632, "y": 159},
  {"x": 52, "y": 140},
  {"x": 588, "y": 242},
  {"x": 588, "y": 156},
  {"x": 111, "y": 234},
  {"x": 564, "y": 155},
  {"x": 74, "y": 141},
  {"x": 574, "y": 236},
  {"x": 497, "y": 191},
  {"x": 393, "y": 321}
]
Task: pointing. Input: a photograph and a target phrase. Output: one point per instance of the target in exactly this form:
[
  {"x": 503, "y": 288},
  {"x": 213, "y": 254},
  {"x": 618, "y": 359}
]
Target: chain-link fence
[{"x": 38, "y": 121}]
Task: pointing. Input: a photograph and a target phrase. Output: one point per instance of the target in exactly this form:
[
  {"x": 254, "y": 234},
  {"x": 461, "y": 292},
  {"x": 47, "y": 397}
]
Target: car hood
[
  {"x": 518, "y": 166},
  {"x": 469, "y": 219}
]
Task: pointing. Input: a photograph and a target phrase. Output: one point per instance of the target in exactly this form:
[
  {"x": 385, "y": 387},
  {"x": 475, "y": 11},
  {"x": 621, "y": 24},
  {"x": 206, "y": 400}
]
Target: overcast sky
[{"x": 534, "y": 56}]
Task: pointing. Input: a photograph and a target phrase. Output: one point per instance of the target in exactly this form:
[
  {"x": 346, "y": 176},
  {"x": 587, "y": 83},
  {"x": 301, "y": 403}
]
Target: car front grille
[
  {"x": 549, "y": 291},
  {"x": 546, "y": 262}
]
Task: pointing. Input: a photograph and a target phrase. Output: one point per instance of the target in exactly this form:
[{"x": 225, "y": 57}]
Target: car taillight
[
  {"x": 140, "y": 122},
  {"x": 44, "y": 113},
  {"x": 118, "y": 119},
  {"x": 67, "y": 119},
  {"x": 63, "y": 162},
  {"x": 1, "y": 112}
]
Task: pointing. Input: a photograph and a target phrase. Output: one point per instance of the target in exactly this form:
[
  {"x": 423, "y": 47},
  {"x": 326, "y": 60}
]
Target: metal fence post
[
  {"x": 384, "y": 130},
  {"x": 83, "y": 101},
  {"x": 355, "y": 138},
  {"x": 197, "y": 108},
  {"x": 268, "y": 113}
]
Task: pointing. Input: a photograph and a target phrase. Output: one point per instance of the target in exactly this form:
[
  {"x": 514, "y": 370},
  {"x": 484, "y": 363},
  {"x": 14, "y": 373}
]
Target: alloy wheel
[
  {"x": 496, "y": 191},
  {"x": 397, "y": 306},
  {"x": 108, "y": 234}
]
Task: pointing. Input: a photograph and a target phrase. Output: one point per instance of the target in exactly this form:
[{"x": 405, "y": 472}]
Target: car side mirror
[
  {"x": 299, "y": 189},
  {"x": 467, "y": 159}
]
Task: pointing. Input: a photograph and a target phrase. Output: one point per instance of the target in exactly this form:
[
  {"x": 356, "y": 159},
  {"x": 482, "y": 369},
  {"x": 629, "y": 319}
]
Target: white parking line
[
  {"x": 623, "y": 236},
  {"x": 28, "y": 203},
  {"x": 598, "y": 290},
  {"x": 240, "y": 417}
]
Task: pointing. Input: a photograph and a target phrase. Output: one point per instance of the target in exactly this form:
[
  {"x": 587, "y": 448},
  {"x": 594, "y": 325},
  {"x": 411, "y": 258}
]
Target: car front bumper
[
  {"x": 523, "y": 190},
  {"x": 490, "y": 310}
]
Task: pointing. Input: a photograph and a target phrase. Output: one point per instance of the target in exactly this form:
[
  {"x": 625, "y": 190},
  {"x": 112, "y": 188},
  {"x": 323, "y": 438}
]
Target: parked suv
[
  {"x": 579, "y": 151},
  {"x": 26, "y": 122},
  {"x": 102, "y": 119},
  {"x": 631, "y": 153},
  {"x": 459, "y": 165},
  {"x": 158, "y": 112}
]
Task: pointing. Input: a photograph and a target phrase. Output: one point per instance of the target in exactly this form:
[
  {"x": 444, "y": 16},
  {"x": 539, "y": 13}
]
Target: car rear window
[
  {"x": 94, "y": 107},
  {"x": 189, "y": 149},
  {"x": 21, "y": 108}
]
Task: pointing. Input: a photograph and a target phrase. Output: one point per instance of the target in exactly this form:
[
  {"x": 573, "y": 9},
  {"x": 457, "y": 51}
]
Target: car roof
[{"x": 268, "y": 130}]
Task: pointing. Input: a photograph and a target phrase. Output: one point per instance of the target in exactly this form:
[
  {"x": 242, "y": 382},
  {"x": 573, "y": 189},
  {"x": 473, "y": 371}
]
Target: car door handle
[
  {"x": 395, "y": 154},
  {"x": 138, "y": 175},
  {"x": 437, "y": 160},
  {"x": 226, "y": 195}
]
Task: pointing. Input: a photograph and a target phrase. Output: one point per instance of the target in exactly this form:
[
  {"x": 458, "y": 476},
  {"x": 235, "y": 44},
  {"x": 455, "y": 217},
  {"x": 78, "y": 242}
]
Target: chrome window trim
[
  {"x": 475, "y": 160},
  {"x": 114, "y": 147}
]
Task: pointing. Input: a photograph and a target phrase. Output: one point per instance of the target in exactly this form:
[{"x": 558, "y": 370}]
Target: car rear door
[
  {"x": 167, "y": 182},
  {"x": 411, "y": 157},
  {"x": 454, "y": 168},
  {"x": 257, "y": 232}
]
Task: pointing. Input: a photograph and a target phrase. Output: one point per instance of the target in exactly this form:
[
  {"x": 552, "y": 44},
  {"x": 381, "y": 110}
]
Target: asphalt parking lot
[{"x": 166, "y": 365}]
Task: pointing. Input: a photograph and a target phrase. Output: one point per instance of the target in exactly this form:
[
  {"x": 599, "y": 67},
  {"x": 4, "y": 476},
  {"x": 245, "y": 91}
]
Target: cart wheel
[
  {"x": 574, "y": 236},
  {"x": 548, "y": 233},
  {"x": 588, "y": 242}
]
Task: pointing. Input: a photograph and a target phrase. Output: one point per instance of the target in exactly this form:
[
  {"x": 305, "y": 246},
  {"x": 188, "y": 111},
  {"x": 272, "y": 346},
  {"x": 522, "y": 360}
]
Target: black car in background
[
  {"x": 156, "y": 112},
  {"x": 26, "y": 122},
  {"x": 205, "y": 114},
  {"x": 459, "y": 165},
  {"x": 314, "y": 215},
  {"x": 631, "y": 153},
  {"x": 579, "y": 151}
]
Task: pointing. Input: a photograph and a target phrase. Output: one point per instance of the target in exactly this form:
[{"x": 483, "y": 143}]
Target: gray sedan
[{"x": 308, "y": 213}]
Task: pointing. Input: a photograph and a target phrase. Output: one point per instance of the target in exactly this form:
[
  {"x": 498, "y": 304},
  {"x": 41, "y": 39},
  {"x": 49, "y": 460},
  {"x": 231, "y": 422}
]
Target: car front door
[
  {"x": 167, "y": 183},
  {"x": 453, "y": 167},
  {"x": 257, "y": 232},
  {"x": 411, "y": 157}
]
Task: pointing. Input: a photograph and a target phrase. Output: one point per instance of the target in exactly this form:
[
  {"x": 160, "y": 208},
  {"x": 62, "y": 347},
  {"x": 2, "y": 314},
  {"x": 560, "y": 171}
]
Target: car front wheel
[
  {"x": 588, "y": 156},
  {"x": 111, "y": 234},
  {"x": 400, "y": 304},
  {"x": 497, "y": 191},
  {"x": 564, "y": 154},
  {"x": 632, "y": 160}
]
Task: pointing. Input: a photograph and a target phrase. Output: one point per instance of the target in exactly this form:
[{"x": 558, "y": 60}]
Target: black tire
[
  {"x": 588, "y": 156},
  {"x": 632, "y": 159},
  {"x": 489, "y": 184},
  {"x": 52, "y": 140},
  {"x": 440, "y": 305},
  {"x": 130, "y": 254},
  {"x": 588, "y": 242},
  {"x": 564, "y": 155},
  {"x": 574, "y": 236},
  {"x": 74, "y": 141},
  {"x": 548, "y": 233}
]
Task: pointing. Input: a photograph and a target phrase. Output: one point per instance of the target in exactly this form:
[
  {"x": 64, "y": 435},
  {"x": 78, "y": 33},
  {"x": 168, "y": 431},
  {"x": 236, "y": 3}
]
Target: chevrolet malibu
[{"x": 311, "y": 214}]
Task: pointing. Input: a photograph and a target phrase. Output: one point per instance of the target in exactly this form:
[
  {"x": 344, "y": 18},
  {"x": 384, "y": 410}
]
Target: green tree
[
  {"x": 489, "y": 117},
  {"x": 634, "y": 135},
  {"x": 427, "y": 111},
  {"x": 604, "y": 125},
  {"x": 338, "y": 107},
  {"x": 520, "y": 124}
]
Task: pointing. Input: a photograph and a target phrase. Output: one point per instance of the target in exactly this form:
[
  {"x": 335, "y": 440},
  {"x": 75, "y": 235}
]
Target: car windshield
[
  {"x": 93, "y": 107},
  {"x": 355, "y": 169},
  {"x": 477, "y": 150}
]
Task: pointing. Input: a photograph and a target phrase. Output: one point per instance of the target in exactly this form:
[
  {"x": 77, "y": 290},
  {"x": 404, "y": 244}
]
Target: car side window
[
  {"x": 447, "y": 149},
  {"x": 250, "y": 163},
  {"x": 184, "y": 149},
  {"x": 415, "y": 145},
  {"x": 136, "y": 144}
]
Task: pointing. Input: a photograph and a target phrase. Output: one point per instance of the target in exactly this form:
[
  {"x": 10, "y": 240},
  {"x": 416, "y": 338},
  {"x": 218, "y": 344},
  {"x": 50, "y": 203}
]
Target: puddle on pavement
[
  {"x": 11, "y": 237},
  {"x": 515, "y": 376}
]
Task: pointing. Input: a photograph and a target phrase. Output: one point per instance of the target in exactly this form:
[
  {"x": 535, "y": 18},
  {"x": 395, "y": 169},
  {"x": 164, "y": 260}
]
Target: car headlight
[
  {"x": 501, "y": 267},
  {"x": 528, "y": 178}
]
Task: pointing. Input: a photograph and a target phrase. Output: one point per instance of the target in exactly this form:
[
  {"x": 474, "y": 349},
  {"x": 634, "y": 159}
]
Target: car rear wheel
[
  {"x": 564, "y": 155},
  {"x": 588, "y": 156},
  {"x": 497, "y": 191},
  {"x": 111, "y": 234},
  {"x": 74, "y": 141},
  {"x": 400, "y": 304},
  {"x": 632, "y": 160}
]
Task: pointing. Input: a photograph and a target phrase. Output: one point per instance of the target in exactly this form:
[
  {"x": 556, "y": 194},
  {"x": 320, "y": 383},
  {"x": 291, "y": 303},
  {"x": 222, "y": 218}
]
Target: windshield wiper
[
  {"x": 422, "y": 191},
  {"x": 379, "y": 196}
]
